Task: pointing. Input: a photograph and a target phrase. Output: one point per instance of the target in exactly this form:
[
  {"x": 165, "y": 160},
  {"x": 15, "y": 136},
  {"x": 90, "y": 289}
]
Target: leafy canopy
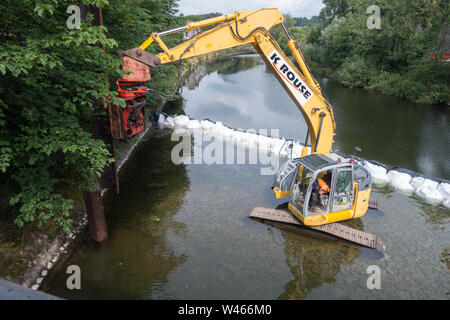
[{"x": 50, "y": 78}]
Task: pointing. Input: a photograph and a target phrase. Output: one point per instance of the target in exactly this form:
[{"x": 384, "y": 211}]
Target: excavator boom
[
  {"x": 346, "y": 193},
  {"x": 251, "y": 27}
]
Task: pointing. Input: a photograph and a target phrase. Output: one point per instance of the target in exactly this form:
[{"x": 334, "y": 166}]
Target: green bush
[
  {"x": 426, "y": 82},
  {"x": 315, "y": 56},
  {"x": 356, "y": 72},
  {"x": 394, "y": 58}
]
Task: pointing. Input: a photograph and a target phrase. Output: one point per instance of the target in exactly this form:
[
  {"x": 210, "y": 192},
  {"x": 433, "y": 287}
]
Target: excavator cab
[{"x": 323, "y": 188}]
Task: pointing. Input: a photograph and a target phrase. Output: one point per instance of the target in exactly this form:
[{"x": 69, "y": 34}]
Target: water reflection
[
  {"x": 139, "y": 256},
  {"x": 205, "y": 247},
  {"x": 234, "y": 64},
  {"x": 313, "y": 263},
  {"x": 387, "y": 129},
  {"x": 313, "y": 258},
  {"x": 195, "y": 76},
  {"x": 390, "y": 130},
  {"x": 438, "y": 218},
  {"x": 445, "y": 257},
  {"x": 241, "y": 92},
  {"x": 221, "y": 66}
]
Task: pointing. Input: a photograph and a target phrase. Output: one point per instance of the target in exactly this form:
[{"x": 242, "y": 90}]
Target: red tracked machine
[
  {"x": 129, "y": 121},
  {"x": 133, "y": 115}
]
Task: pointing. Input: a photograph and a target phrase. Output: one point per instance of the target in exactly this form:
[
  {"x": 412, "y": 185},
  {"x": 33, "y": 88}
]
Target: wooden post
[
  {"x": 96, "y": 216},
  {"x": 109, "y": 179},
  {"x": 102, "y": 131}
]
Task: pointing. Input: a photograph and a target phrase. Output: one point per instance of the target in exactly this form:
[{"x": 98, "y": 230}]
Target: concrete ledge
[{"x": 12, "y": 291}]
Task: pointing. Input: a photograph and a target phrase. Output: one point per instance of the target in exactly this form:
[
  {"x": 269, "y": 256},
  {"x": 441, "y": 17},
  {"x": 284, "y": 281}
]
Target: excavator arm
[{"x": 251, "y": 27}]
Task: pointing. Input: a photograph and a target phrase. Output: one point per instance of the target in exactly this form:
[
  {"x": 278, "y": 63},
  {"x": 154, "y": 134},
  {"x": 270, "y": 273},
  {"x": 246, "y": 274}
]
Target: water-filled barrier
[{"x": 434, "y": 191}]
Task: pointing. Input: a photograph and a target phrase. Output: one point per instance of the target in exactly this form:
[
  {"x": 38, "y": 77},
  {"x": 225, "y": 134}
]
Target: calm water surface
[{"x": 205, "y": 247}]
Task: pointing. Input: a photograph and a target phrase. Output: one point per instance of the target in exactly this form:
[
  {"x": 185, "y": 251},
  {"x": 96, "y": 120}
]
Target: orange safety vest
[{"x": 323, "y": 186}]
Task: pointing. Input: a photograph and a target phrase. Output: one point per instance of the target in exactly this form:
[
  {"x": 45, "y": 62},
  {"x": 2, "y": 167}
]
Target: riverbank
[
  {"x": 29, "y": 253},
  {"x": 404, "y": 86}
]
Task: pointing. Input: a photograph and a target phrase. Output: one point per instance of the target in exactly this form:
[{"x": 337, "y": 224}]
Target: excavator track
[{"x": 337, "y": 230}]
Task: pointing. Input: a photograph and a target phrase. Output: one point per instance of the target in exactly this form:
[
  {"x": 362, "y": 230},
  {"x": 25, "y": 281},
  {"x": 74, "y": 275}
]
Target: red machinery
[
  {"x": 129, "y": 121},
  {"x": 133, "y": 115}
]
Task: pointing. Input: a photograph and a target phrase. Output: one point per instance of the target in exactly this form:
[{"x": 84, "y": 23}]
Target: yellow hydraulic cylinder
[{"x": 301, "y": 62}]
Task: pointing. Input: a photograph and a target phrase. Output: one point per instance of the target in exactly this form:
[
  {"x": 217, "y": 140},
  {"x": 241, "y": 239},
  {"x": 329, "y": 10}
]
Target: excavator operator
[{"x": 321, "y": 191}]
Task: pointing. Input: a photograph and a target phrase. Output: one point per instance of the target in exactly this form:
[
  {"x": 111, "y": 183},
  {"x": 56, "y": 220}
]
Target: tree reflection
[
  {"x": 314, "y": 258},
  {"x": 139, "y": 255},
  {"x": 436, "y": 217},
  {"x": 313, "y": 263},
  {"x": 223, "y": 66},
  {"x": 235, "y": 64}
]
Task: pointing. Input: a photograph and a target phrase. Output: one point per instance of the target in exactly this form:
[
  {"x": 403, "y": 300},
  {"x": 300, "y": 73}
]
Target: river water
[{"x": 182, "y": 232}]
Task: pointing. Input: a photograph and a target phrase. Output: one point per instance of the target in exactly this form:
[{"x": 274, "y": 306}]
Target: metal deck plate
[{"x": 335, "y": 229}]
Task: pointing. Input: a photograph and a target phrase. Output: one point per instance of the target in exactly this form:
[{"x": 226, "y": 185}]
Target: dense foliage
[
  {"x": 403, "y": 57},
  {"x": 50, "y": 78},
  {"x": 302, "y": 21}
]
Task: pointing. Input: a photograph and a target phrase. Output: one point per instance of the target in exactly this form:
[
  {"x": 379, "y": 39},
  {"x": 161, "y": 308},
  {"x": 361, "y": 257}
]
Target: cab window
[
  {"x": 320, "y": 193},
  {"x": 300, "y": 187},
  {"x": 343, "y": 195}
]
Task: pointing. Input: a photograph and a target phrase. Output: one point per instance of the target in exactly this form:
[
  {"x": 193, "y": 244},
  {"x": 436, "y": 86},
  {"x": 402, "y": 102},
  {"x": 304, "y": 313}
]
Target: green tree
[
  {"x": 334, "y": 9},
  {"x": 387, "y": 58},
  {"x": 50, "y": 76},
  {"x": 302, "y": 21}
]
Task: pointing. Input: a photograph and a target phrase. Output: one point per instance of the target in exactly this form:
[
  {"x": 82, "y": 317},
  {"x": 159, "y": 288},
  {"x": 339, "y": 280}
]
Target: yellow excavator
[{"x": 323, "y": 187}]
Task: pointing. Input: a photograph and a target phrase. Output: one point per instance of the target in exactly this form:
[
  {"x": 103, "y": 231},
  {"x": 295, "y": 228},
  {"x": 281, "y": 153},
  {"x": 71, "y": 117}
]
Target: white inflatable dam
[{"x": 431, "y": 190}]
